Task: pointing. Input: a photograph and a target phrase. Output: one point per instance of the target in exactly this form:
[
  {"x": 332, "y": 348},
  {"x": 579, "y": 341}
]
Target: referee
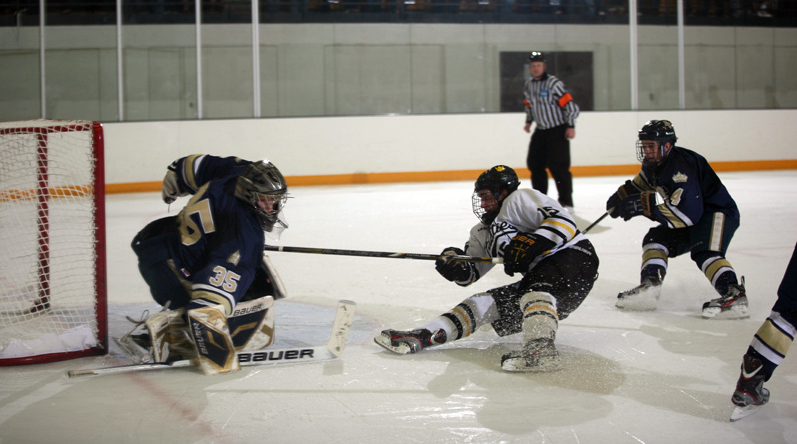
[{"x": 550, "y": 105}]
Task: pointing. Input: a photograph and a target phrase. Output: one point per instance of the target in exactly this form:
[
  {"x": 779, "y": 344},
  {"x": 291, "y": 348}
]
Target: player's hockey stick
[
  {"x": 299, "y": 355},
  {"x": 431, "y": 257},
  {"x": 609, "y": 211}
]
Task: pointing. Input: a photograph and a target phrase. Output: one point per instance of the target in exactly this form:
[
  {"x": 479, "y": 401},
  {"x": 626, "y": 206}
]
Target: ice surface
[{"x": 654, "y": 377}]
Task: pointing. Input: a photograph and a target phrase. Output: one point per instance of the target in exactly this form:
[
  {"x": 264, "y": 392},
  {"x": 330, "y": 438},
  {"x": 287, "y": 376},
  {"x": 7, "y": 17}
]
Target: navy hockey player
[
  {"x": 768, "y": 347},
  {"x": 697, "y": 215},
  {"x": 537, "y": 238},
  {"x": 209, "y": 258}
]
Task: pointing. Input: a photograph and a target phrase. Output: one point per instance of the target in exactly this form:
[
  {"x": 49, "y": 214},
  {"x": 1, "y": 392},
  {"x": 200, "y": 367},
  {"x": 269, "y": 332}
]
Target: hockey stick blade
[
  {"x": 743, "y": 412},
  {"x": 299, "y": 355}
]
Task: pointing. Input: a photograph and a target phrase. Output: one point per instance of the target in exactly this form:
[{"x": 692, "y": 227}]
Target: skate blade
[
  {"x": 637, "y": 304},
  {"x": 133, "y": 351},
  {"x": 384, "y": 342},
  {"x": 743, "y": 412},
  {"x": 735, "y": 312},
  {"x": 544, "y": 365}
]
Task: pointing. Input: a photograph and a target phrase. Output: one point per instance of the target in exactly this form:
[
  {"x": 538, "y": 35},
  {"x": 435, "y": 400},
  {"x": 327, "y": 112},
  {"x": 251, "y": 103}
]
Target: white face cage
[
  {"x": 269, "y": 210},
  {"x": 271, "y": 204}
]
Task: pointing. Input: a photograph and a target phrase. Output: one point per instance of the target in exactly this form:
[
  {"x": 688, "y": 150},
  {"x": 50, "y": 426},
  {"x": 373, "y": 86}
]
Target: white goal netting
[{"x": 52, "y": 263}]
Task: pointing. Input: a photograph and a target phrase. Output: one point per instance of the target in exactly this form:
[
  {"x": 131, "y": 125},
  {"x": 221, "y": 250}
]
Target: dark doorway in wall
[{"x": 573, "y": 68}]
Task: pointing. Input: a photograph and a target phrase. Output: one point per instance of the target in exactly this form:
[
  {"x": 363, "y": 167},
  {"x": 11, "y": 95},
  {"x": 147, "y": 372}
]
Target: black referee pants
[{"x": 550, "y": 150}]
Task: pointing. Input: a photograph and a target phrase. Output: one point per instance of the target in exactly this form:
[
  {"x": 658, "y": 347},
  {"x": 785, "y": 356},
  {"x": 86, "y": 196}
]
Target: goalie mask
[
  {"x": 262, "y": 187},
  {"x": 488, "y": 189},
  {"x": 654, "y": 135}
]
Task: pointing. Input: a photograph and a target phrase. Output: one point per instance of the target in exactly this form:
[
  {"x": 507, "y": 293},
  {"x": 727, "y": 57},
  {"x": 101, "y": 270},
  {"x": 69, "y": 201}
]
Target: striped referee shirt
[{"x": 548, "y": 103}]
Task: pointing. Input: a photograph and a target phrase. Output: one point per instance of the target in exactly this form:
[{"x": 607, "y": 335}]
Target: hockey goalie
[{"x": 206, "y": 265}]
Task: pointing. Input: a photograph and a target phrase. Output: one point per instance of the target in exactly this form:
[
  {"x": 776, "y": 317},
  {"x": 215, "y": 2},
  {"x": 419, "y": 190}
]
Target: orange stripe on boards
[
  {"x": 52, "y": 193},
  {"x": 133, "y": 187},
  {"x": 467, "y": 175}
]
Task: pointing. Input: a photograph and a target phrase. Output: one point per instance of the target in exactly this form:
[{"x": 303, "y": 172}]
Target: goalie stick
[{"x": 299, "y": 355}]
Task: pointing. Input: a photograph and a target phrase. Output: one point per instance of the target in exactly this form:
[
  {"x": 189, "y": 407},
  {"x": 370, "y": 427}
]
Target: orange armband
[{"x": 565, "y": 99}]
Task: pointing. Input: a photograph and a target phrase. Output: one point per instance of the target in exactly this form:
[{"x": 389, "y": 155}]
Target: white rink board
[{"x": 139, "y": 152}]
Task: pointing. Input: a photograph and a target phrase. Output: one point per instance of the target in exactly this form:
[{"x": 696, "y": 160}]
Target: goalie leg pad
[
  {"x": 169, "y": 335},
  {"x": 212, "y": 341},
  {"x": 252, "y": 324}
]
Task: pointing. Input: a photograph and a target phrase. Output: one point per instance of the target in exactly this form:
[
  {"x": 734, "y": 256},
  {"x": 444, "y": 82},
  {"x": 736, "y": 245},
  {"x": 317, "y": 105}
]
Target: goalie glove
[
  {"x": 522, "y": 250},
  {"x": 639, "y": 204},
  {"x": 616, "y": 199},
  {"x": 171, "y": 190},
  {"x": 462, "y": 273}
]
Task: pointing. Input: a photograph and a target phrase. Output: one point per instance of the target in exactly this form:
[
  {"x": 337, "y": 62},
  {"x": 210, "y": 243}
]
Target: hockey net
[{"x": 52, "y": 241}]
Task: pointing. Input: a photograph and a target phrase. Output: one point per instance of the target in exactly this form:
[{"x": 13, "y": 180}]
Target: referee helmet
[{"x": 537, "y": 56}]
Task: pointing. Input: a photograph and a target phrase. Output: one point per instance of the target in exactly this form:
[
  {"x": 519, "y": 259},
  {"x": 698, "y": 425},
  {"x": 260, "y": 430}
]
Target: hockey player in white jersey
[{"x": 537, "y": 238}]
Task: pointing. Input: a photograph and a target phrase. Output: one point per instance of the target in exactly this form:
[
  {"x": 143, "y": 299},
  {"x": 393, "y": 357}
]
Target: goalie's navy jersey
[
  {"x": 221, "y": 241},
  {"x": 689, "y": 188}
]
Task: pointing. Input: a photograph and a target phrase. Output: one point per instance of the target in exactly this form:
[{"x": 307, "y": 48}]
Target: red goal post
[{"x": 53, "y": 293}]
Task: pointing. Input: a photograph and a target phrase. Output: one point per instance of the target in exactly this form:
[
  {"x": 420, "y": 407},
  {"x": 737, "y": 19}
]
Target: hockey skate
[
  {"x": 538, "y": 355},
  {"x": 731, "y": 306},
  {"x": 413, "y": 341},
  {"x": 644, "y": 297},
  {"x": 750, "y": 393},
  {"x": 137, "y": 347}
]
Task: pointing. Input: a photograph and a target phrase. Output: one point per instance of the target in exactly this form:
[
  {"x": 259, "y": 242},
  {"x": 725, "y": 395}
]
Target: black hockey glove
[
  {"x": 454, "y": 271},
  {"x": 638, "y": 204},
  {"x": 522, "y": 250},
  {"x": 616, "y": 199}
]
